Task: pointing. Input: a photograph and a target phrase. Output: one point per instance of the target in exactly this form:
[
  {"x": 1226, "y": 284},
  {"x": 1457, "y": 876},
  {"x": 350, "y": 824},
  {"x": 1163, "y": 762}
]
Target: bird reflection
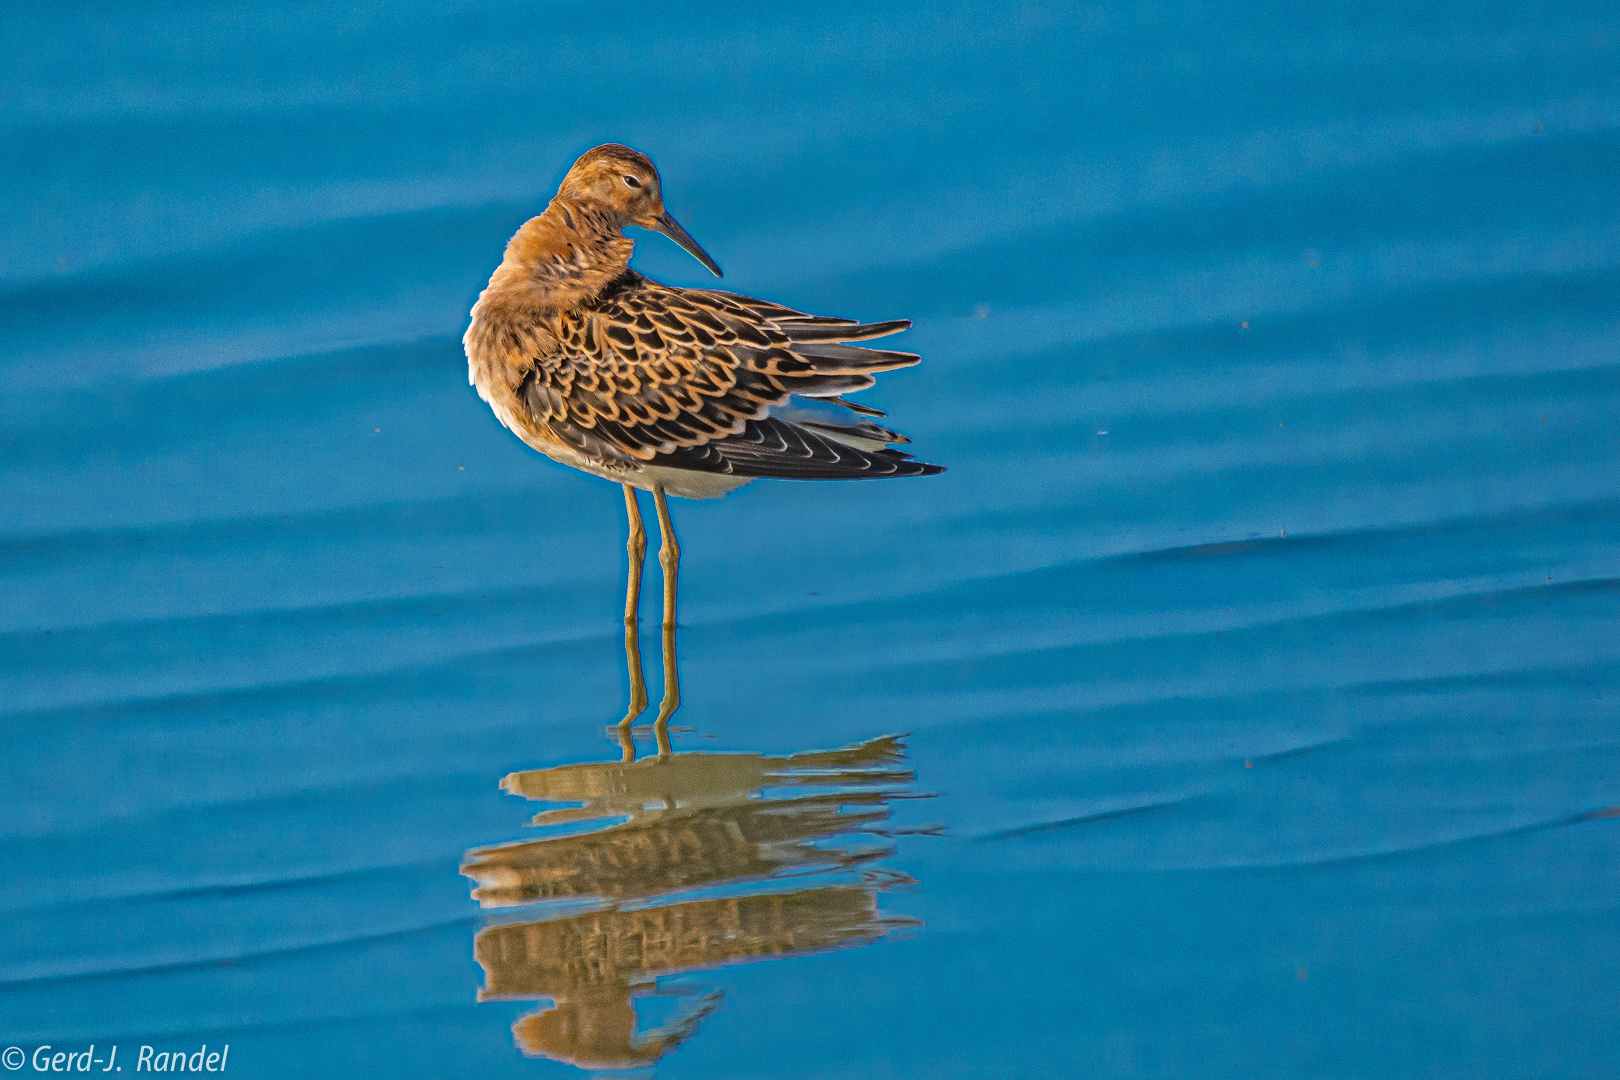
[{"x": 698, "y": 874}]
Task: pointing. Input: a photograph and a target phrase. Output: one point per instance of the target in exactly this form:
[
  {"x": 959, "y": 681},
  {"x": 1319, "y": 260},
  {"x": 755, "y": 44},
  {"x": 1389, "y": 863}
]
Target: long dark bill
[{"x": 672, "y": 229}]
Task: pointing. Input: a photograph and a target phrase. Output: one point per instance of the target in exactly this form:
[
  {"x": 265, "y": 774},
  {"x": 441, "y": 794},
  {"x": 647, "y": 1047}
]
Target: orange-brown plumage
[{"x": 659, "y": 387}]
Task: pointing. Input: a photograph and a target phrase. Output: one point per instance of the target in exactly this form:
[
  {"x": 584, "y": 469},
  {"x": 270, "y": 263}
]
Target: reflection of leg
[
  {"x": 669, "y": 557},
  {"x": 637, "y": 547}
]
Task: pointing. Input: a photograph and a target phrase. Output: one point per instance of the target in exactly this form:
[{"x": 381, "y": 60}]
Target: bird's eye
[{"x": 632, "y": 181}]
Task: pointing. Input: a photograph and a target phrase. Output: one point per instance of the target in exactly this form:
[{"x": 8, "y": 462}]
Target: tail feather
[
  {"x": 817, "y": 331},
  {"x": 829, "y": 386},
  {"x": 862, "y": 436},
  {"x": 830, "y": 357},
  {"x": 857, "y": 408}
]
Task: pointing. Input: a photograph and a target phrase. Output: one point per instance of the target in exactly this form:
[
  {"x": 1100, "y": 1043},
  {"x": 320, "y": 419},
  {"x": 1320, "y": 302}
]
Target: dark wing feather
[
  {"x": 787, "y": 451},
  {"x": 687, "y": 378}
]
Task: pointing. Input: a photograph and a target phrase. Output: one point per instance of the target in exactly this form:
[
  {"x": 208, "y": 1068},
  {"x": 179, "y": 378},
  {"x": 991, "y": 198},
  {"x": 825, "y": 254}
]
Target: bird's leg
[
  {"x": 669, "y": 557},
  {"x": 637, "y": 547}
]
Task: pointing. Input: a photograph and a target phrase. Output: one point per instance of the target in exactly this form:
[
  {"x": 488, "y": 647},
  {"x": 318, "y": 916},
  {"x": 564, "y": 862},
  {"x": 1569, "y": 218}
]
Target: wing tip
[{"x": 884, "y": 329}]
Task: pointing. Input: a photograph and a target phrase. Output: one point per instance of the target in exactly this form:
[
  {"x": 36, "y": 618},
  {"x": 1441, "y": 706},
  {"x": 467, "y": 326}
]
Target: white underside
[
  {"x": 683, "y": 482},
  {"x": 686, "y": 483}
]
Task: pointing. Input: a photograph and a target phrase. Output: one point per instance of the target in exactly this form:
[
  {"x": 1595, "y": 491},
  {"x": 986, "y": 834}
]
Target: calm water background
[{"x": 1259, "y": 644}]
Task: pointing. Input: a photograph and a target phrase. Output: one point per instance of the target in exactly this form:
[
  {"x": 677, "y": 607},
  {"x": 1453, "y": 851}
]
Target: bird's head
[{"x": 625, "y": 183}]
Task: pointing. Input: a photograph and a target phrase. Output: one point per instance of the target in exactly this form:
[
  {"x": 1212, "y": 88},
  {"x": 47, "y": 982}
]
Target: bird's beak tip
[{"x": 672, "y": 229}]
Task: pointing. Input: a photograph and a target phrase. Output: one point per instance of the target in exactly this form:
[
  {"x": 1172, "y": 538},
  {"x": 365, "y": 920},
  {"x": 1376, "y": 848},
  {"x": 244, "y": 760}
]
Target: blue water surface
[{"x": 1256, "y": 657}]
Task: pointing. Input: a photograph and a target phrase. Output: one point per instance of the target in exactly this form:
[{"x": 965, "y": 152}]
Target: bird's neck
[{"x": 563, "y": 258}]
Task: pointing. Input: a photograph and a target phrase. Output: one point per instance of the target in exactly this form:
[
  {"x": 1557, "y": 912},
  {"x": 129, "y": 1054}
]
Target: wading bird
[{"x": 690, "y": 392}]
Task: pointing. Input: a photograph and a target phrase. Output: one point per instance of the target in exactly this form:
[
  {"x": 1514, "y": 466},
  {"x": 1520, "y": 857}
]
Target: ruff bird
[{"x": 689, "y": 392}]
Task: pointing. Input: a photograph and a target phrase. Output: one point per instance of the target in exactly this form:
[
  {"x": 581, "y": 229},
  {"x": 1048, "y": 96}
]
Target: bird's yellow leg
[
  {"x": 637, "y": 547},
  {"x": 669, "y": 557}
]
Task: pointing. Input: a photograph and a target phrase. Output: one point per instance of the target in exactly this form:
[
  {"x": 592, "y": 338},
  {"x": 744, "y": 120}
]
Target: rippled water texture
[{"x": 1241, "y": 703}]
